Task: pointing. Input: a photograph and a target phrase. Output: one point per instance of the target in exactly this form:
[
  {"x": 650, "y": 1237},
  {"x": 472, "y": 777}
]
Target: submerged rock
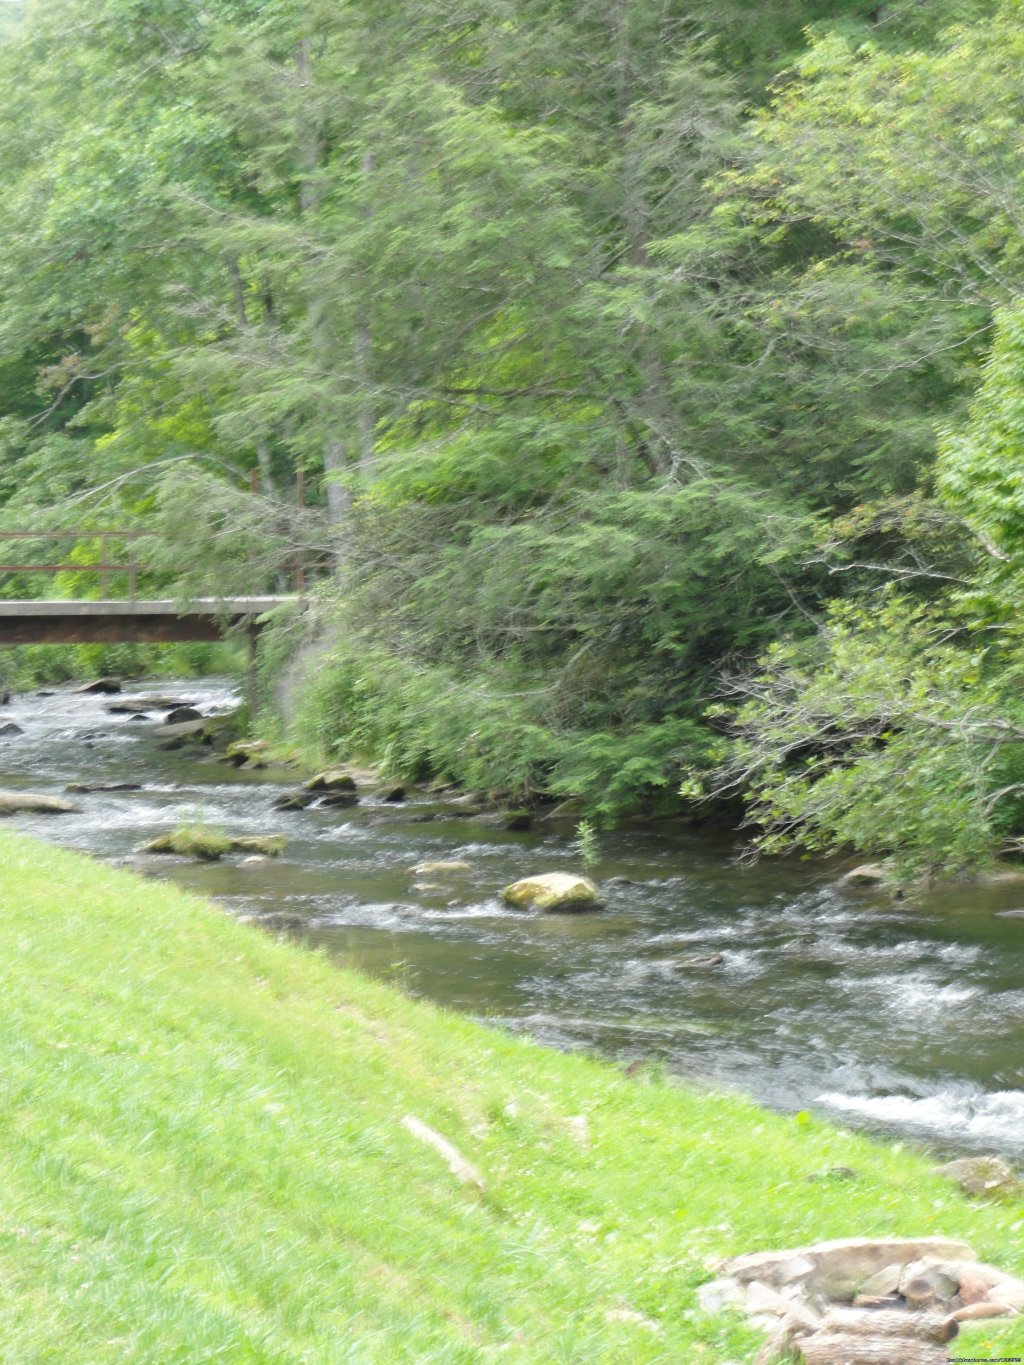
[
  {"x": 440, "y": 867},
  {"x": 103, "y": 787},
  {"x": 552, "y": 891},
  {"x": 147, "y": 703},
  {"x": 293, "y": 801},
  {"x": 16, "y": 803},
  {"x": 10, "y": 728},
  {"x": 703, "y": 960}
]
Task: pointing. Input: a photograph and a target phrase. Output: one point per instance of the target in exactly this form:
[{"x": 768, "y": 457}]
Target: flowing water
[{"x": 904, "y": 1017}]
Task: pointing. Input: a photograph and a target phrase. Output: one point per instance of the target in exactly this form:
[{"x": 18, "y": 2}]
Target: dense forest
[{"x": 649, "y": 373}]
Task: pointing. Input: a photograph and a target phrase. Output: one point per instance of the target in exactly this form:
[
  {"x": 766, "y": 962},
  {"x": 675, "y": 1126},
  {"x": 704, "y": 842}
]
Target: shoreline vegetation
[
  {"x": 217, "y": 1145},
  {"x": 648, "y": 432}
]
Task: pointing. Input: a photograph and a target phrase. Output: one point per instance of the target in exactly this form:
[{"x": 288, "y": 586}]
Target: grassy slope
[{"x": 201, "y": 1159}]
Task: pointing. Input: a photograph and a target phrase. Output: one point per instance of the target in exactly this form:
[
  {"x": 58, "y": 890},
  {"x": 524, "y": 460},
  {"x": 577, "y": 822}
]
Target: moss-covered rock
[
  {"x": 334, "y": 780},
  {"x": 553, "y": 891},
  {"x": 247, "y": 753},
  {"x": 200, "y": 841},
  {"x": 191, "y": 841},
  {"x": 269, "y": 845}
]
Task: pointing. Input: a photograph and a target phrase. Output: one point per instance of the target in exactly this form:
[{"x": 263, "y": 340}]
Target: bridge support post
[{"x": 252, "y": 699}]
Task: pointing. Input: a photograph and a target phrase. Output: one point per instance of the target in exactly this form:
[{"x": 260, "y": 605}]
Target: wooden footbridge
[
  {"x": 118, "y": 620},
  {"x": 129, "y": 619}
]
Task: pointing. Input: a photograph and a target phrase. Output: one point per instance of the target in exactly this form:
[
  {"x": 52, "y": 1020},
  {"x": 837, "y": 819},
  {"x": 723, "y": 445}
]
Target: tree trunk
[
  {"x": 335, "y": 452},
  {"x": 338, "y": 500},
  {"x": 830, "y": 1348},
  {"x": 366, "y": 424},
  {"x": 652, "y": 409}
]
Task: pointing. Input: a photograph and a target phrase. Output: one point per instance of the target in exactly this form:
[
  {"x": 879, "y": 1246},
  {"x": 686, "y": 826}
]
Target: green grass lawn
[{"x": 202, "y": 1158}]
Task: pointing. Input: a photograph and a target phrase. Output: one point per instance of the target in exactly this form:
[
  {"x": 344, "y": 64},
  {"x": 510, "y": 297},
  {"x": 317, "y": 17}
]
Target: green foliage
[
  {"x": 595, "y": 371},
  {"x": 890, "y": 732},
  {"x": 25, "y": 666},
  {"x": 568, "y": 652},
  {"x": 981, "y": 475},
  {"x": 587, "y": 844},
  {"x": 425, "y": 721}
]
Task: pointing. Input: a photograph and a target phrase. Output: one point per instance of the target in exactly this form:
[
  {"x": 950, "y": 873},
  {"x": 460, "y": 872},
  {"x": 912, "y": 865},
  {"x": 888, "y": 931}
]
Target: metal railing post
[{"x": 104, "y": 572}]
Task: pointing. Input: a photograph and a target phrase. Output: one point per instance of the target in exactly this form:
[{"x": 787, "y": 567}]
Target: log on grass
[
  {"x": 831, "y": 1348},
  {"x": 896, "y": 1323}
]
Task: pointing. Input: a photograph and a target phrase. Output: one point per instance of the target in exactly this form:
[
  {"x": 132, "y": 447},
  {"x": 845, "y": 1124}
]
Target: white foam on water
[
  {"x": 482, "y": 910},
  {"x": 917, "y": 994},
  {"x": 995, "y": 1118}
]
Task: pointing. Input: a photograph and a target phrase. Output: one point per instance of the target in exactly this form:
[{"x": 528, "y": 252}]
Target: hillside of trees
[{"x": 654, "y": 375}]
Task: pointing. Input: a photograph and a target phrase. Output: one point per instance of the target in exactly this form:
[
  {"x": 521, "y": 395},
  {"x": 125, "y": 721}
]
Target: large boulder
[
  {"x": 15, "y": 803},
  {"x": 182, "y": 713},
  {"x": 553, "y": 891}
]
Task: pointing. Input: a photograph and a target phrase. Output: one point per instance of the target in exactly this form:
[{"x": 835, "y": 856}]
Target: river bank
[
  {"x": 773, "y": 980},
  {"x": 203, "y": 1154}
]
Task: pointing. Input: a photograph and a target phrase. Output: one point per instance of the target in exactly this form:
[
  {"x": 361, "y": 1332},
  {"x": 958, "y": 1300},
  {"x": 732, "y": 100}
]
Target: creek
[{"x": 904, "y": 1017}]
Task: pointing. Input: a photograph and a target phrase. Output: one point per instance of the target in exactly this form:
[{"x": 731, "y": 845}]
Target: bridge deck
[{"x": 124, "y": 620}]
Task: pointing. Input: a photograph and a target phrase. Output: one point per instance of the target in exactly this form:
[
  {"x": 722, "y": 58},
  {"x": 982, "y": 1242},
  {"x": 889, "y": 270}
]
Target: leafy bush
[
  {"x": 569, "y": 652},
  {"x": 892, "y": 732}
]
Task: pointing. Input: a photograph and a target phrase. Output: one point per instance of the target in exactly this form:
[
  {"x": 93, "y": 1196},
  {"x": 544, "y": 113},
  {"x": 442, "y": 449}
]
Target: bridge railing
[
  {"x": 105, "y": 565},
  {"x": 297, "y": 567}
]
